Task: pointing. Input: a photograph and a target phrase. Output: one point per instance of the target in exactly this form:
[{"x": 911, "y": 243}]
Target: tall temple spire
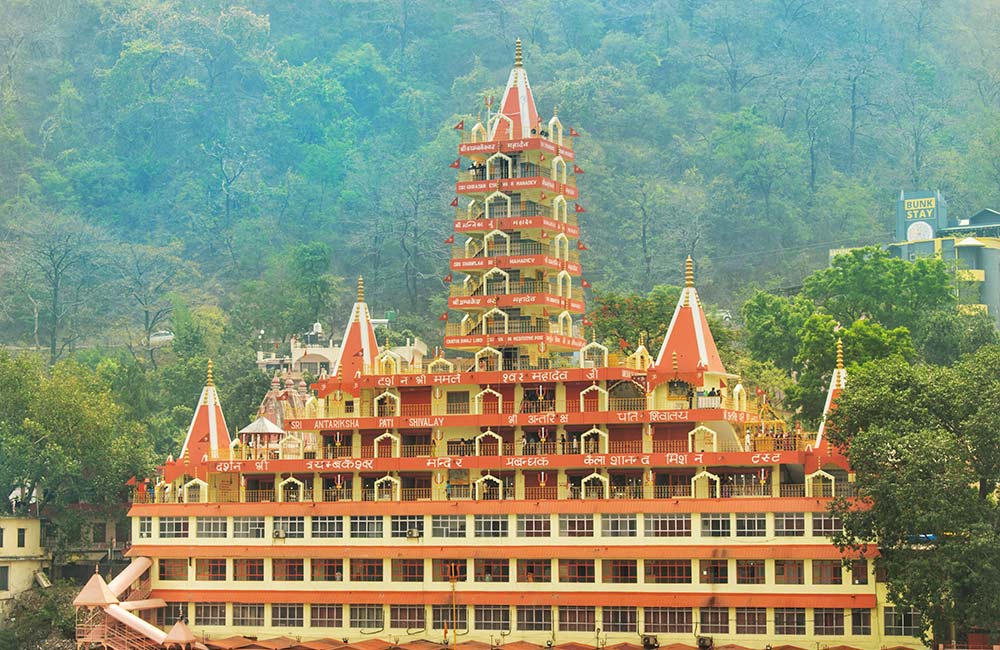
[
  {"x": 838, "y": 382},
  {"x": 207, "y": 435},
  {"x": 517, "y": 115},
  {"x": 358, "y": 348},
  {"x": 689, "y": 273}
]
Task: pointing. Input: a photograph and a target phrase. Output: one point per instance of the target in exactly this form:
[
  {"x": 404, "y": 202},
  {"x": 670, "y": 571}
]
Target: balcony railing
[
  {"x": 499, "y": 212},
  {"x": 494, "y": 287},
  {"x": 549, "y": 492},
  {"x": 671, "y": 491},
  {"x": 498, "y": 326}
]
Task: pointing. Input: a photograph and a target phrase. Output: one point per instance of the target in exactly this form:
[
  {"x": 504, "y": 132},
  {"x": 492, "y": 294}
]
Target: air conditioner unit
[
  {"x": 279, "y": 533},
  {"x": 413, "y": 533},
  {"x": 649, "y": 642},
  {"x": 705, "y": 642}
]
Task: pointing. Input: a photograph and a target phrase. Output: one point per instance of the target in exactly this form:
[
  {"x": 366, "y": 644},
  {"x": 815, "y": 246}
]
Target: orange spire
[{"x": 517, "y": 112}]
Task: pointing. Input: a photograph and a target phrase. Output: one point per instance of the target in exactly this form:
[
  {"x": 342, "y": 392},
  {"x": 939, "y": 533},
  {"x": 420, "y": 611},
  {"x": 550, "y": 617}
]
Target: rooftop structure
[{"x": 528, "y": 490}]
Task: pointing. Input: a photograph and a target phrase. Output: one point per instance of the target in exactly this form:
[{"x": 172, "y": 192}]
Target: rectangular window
[
  {"x": 576, "y": 525},
  {"x": 620, "y": 619},
  {"x": 448, "y": 570},
  {"x": 859, "y": 572},
  {"x": 406, "y": 617},
  {"x": 715, "y": 524},
  {"x": 446, "y": 617},
  {"x": 576, "y": 571},
  {"x": 902, "y": 622},
  {"x": 288, "y": 569},
  {"x": 367, "y": 616},
  {"x": 668, "y": 572},
  {"x": 326, "y": 570},
  {"x": 287, "y": 615},
  {"x": 22, "y": 534},
  {"x": 4, "y": 578},
  {"x": 248, "y": 527},
  {"x": 619, "y": 525},
  {"x": 825, "y": 524},
  {"x": 828, "y": 621},
  {"x": 365, "y": 570},
  {"x": 491, "y": 525},
  {"x": 534, "y": 571},
  {"x": 669, "y": 620},
  {"x": 366, "y": 526},
  {"x": 789, "y": 524},
  {"x": 861, "y": 622},
  {"x": 667, "y": 525},
  {"x": 534, "y": 619},
  {"x": 326, "y": 527},
  {"x": 577, "y": 619},
  {"x": 827, "y": 572},
  {"x": 714, "y": 572},
  {"x": 401, "y": 525},
  {"x": 751, "y": 524},
  {"x": 173, "y": 569},
  {"x": 209, "y": 613},
  {"x": 491, "y": 570},
  {"x": 407, "y": 570},
  {"x": 789, "y": 620},
  {"x": 326, "y": 616},
  {"x": 145, "y": 529},
  {"x": 492, "y": 617},
  {"x": 211, "y": 526},
  {"x": 292, "y": 526},
  {"x": 172, "y": 612},
  {"x": 750, "y": 572},
  {"x": 751, "y": 620},
  {"x": 789, "y": 572},
  {"x": 620, "y": 571},
  {"x": 534, "y": 526},
  {"x": 210, "y": 569},
  {"x": 248, "y": 614},
  {"x": 1, "y": 532},
  {"x": 248, "y": 569},
  {"x": 714, "y": 620},
  {"x": 448, "y": 526},
  {"x": 173, "y": 527}
]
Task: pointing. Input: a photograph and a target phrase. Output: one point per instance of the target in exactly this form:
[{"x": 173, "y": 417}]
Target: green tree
[{"x": 772, "y": 326}]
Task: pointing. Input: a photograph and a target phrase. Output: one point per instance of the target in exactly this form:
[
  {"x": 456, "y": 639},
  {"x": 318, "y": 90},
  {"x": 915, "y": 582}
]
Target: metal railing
[
  {"x": 549, "y": 492},
  {"x": 498, "y": 287},
  {"x": 499, "y": 214}
]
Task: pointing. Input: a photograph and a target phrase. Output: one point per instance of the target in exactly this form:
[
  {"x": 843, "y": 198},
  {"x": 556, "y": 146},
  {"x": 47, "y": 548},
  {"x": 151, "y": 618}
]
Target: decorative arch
[
  {"x": 469, "y": 249},
  {"x": 561, "y": 244},
  {"x": 640, "y": 359},
  {"x": 699, "y": 436},
  {"x": 502, "y": 156},
  {"x": 480, "y": 482},
  {"x": 494, "y": 123},
  {"x": 590, "y": 478},
  {"x": 564, "y": 284},
  {"x": 560, "y": 209},
  {"x": 600, "y": 434},
  {"x": 469, "y": 210},
  {"x": 491, "y": 235},
  {"x": 594, "y": 352},
  {"x": 496, "y": 270},
  {"x": 290, "y": 446},
  {"x": 478, "y": 133},
  {"x": 565, "y": 321},
  {"x": 440, "y": 365},
  {"x": 821, "y": 478},
  {"x": 489, "y": 201},
  {"x": 394, "y": 444},
  {"x": 297, "y": 490},
  {"x": 707, "y": 476},
  {"x": 393, "y": 484},
  {"x": 388, "y": 362},
  {"x": 312, "y": 407},
  {"x": 602, "y": 397},
  {"x": 492, "y": 352},
  {"x": 384, "y": 396},
  {"x": 477, "y": 400},
  {"x": 489, "y": 433},
  {"x": 492, "y": 312},
  {"x": 556, "y": 129},
  {"x": 740, "y": 397},
  {"x": 556, "y": 176},
  {"x": 200, "y": 493}
]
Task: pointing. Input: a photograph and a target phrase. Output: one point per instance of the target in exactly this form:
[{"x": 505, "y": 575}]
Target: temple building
[{"x": 524, "y": 489}]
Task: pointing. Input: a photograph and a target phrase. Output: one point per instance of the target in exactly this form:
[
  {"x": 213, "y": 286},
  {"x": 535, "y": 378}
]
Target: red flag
[
  {"x": 622, "y": 343},
  {"x": 573, "y": 132},
  {"x": 541, "y": 157},
  {"x": 454, "y": 202},
  {"x": 448, "y": 278},
  {"x": 586, "y": 322},
  {"x": 545, "y": 235},
  {"x": 450, "y": 240},
  {"x": 456, "y": 164},
  {"x": 443, "y": 316},
  {"x": 131, "y": 481},
  {"x": 360, "y": 353},
  {"x": 584, "y": 283},
  {"x": 544, "y": 196},
  {"x": 545, "y": 312},
  {"x": 579, "y": 208},
  {"x": 460, "y": 126},
  {"x": 577, "y": 170},
  {"x": 580, "y": 246}
]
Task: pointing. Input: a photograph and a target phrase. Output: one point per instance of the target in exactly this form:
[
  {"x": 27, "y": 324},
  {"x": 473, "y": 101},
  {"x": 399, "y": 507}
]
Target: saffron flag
[
  {"x": 580, "y": 246},
  {"x": 622, "y": 343},
  {"x": 544, "y": 196},
  {"x": 545, "y": 312},
  {"x": 577, "y": 169},
  {"x": 578, "y": 208},
  {"x": 460, "y": 126},
  {"x": 586, "y": 322},
  {"x": 573, "y": 132},
  {"x": 456, "y": 164},
  {"x": 131, "y": 481},
  {"x": 545, "y": 235},
  {"x": 443, "y": 316},
  {"x": 454, "y": 202},
  {"x": 450, "y": 240},
  {"x": 448, "y": 278},
  {"x": 541, "y": 157},
  {"x": 584, "y": 283}
]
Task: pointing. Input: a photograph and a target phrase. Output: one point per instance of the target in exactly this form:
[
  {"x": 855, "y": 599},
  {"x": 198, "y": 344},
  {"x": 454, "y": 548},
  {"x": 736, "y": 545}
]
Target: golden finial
[
  {"x": 840, "y": 354},
  {"x": 689, "y": 272},
  {"x": 555, "y": 111},
  {"x": 208, "y": 381},
  {"x": 517, "y": 53},
  {"x": 642, "y": 339},
  {"x": 676, "y": 365},
  {"x": 361, "y": 288}
]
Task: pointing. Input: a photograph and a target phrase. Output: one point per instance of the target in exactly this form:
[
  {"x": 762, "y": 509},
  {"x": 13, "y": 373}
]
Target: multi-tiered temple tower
[{"x": 529, "y": 490}]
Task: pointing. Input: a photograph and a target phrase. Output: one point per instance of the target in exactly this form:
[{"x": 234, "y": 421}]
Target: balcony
[
  {"x": 497, "y": 326},
  {"x": 499, "y": 247},
  {"x": 494, "y": 287},
  {"x": 521, "y": 170},
  {"x": 502, "y": 218}
]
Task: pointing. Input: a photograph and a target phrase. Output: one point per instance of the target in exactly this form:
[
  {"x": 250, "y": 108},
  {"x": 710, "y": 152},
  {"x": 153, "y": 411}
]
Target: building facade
[
  {"x": 529, "y": 487},
  {"x": 22, "y": 557}
]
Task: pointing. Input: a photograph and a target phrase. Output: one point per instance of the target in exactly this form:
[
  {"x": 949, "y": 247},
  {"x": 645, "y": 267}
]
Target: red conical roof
[
  {"x": 518, "y": 105},
  {"x": 688, "y": 350},
  {"x": 208, "y": 433},
  {"x": 357, "y": 350}
]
